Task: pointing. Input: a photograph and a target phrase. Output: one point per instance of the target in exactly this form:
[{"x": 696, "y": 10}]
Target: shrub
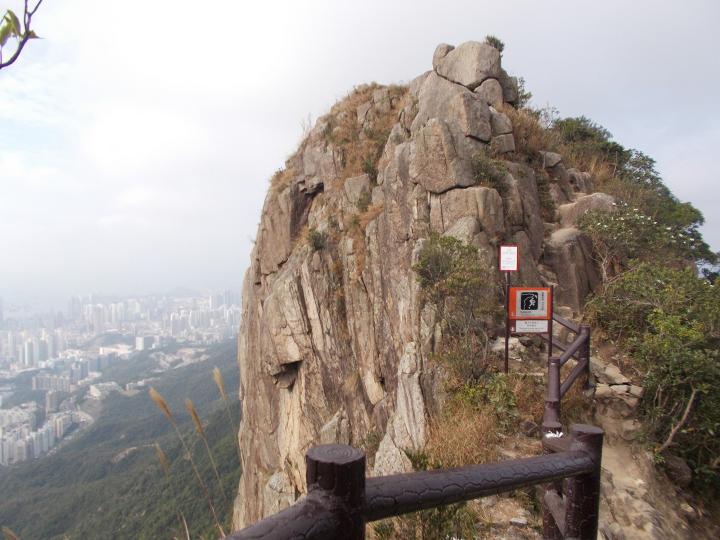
[
  {"x": 454, "y": 278},
  {"x": 547, "y": 204},
  {"x": 316, "y": 239},
  {"x": 523, "y": 94},
  {"x": 364, "y": 201},
  {"x": 490, "y": 172},
  {"x": 670, "y": 322},
  {"x": 628, "y": 234},
  {"x": 495, "y": 42}
]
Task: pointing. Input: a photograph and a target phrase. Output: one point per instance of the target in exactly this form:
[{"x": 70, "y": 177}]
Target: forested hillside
[{"x": 109, "y": 483}]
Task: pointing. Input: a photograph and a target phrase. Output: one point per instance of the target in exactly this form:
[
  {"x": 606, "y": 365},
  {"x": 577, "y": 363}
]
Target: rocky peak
[{"x": 335, "y": 339}]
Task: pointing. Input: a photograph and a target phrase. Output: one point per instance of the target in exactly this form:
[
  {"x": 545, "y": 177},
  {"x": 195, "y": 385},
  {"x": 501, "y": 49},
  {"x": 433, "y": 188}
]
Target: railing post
[
  {"x": 551, "y": 417},
  {"x": 583, "y": 491},
  {"x": 585, "y": 353},
  {"x": 339, "y": 470}
]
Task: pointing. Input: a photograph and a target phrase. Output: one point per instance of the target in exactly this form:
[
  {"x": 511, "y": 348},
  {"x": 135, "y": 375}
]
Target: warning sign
[
  {"x": 509, "y": 258},
  {"x": 527, "y": 303}
]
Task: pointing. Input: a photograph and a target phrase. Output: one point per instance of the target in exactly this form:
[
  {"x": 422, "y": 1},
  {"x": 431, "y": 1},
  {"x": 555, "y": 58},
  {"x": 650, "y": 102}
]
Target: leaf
[
  {"x": 13, "y": 20},
  {"x": 32, "y": 35}
]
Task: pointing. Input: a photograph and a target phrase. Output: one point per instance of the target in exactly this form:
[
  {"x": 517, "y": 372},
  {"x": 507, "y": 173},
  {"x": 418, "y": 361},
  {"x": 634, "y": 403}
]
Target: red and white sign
[
  {"x": 509, "y": 256},
  {"x": 530, "y": 303}
]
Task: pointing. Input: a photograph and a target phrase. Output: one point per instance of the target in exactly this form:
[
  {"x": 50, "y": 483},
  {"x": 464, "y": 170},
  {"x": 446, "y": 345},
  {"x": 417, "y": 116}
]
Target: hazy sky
[{"x": 137, "y": 138}]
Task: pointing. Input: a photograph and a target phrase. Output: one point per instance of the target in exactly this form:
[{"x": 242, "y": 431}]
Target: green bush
[
  {"x": 491, "y": 390},
  {"x": 495, "y": 42},
  {"x": 316, "y": 239},
  {"x": 670, "y": 322},
  {"x": 489, "y": 172},
  {"x": 454, "y": 279},
  {"x": 628, "y": 233}
]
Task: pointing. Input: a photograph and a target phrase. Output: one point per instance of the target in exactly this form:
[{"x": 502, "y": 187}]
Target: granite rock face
[{"x": 335, "y": 340}]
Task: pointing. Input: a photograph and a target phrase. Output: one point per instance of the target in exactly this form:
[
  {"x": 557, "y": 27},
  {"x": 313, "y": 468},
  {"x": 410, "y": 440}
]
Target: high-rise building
[{"x": 28, "y": 353}]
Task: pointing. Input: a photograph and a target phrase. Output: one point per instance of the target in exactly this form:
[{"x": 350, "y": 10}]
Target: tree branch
[
  {"x": 27, "y": 35},
  {"x": 680, "y": 424}
]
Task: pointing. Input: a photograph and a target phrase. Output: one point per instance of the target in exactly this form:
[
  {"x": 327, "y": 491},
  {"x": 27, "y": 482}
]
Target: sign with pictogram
[
  {"x": 509, "y": 256},
  {"x": 529, "y": 303}
]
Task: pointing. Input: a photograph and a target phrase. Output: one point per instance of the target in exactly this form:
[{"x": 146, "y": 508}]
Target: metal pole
[
  {"x": 550, "y": 322},
  {"x": 585, "y": 328},
  {"x": 507, "y": 321},
  {"x": 583, "y": 491},
  {"x": 551, "y": 417}
]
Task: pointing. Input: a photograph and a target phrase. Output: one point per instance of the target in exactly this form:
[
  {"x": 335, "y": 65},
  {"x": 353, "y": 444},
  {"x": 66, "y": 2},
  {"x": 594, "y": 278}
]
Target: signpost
[
  {"x": 508, "y": 258},
  {"x": 529, "y": 311}
]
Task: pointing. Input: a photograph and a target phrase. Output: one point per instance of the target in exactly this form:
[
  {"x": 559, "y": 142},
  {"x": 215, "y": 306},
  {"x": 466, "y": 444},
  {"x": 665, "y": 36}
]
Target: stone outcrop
[{"x": 335, "y": 339}]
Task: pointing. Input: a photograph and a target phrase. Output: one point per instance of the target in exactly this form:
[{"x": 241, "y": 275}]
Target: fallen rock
[
  {"x": 612, "y": 375},
  {"x": 602, "y": 391}
]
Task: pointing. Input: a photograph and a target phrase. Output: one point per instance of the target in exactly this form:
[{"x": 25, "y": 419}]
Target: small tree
[
  {"x": 455, "y": 280},
  {"x": 10, "y": 27}
]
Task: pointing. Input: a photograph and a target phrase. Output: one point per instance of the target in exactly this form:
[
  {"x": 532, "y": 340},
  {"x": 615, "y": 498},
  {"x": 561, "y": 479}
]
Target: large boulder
[
  {"x": 571, "y": 212},
  {"x": 491, "y": 92},
  {"x": 434, "y": 161},
  {"x": 479, "y": 202},
  {"x": 568, "y": 252},
  {"x": 470, "y": 64}
]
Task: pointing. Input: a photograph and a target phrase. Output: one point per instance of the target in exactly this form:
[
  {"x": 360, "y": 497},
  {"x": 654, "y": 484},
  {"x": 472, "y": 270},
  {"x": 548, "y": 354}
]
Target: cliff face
[{"x": 335, "y": 340}]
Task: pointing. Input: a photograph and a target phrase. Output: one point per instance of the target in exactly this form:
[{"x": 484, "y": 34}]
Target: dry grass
[
  {"x": 463, "y": 435},
  {"x": 361, "y": 149},
  {"x": 530, "y": 137},
  {"x": 281, "y": 179},
  {"x": 575, "y": 407},
  {"x": 357, "y": 225},
  {"x": 529, "y": 394}
]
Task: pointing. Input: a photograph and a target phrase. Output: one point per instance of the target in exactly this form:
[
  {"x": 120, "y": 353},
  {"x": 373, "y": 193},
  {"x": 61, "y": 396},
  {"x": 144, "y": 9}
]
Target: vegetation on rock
[{"x": 669, "y": 320}]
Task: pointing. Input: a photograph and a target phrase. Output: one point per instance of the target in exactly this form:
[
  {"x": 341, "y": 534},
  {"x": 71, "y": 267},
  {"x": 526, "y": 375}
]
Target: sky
[{"x": 137, "y": 138}]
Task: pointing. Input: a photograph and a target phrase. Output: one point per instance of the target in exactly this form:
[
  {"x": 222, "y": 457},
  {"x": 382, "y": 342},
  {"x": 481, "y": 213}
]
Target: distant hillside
[{"x": 91, "y": 490}]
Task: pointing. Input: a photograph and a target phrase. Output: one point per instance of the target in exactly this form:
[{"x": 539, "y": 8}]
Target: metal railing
[
  {"x": 579, "y": 349},
  {"x": 340, "y": 499}
]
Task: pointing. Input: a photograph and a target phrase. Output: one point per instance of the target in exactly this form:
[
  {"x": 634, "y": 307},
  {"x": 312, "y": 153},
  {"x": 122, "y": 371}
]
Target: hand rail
[
  {"x": 340, "y": 500},
  {"x": 399, "y": 494}
]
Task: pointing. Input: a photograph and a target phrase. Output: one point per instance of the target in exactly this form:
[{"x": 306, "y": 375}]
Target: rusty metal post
[
  {"x": 583, "y": 491},
  {"x": 551, "y": 416},
  {"x": 585, "y": 353},
  {"x": 507, "y": 321},
  {"x": 552, "y": 425},
  {"x": 339, "y": 471}
]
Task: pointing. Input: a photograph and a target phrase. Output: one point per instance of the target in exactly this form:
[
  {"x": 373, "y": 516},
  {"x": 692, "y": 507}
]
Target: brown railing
[
  {"x": 341, "y": 500},
  {"x": 579, "y": 349}
]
